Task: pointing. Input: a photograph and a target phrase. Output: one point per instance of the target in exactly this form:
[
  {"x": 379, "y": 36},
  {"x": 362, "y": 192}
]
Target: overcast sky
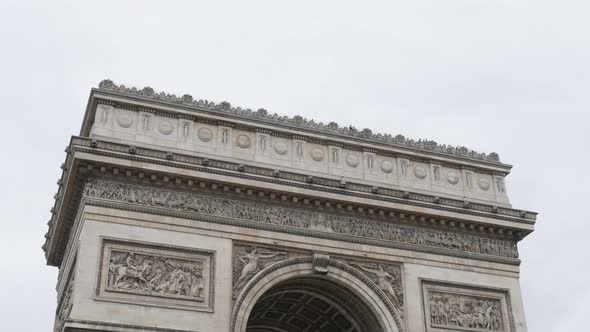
[{"x": 509, "y": 76}]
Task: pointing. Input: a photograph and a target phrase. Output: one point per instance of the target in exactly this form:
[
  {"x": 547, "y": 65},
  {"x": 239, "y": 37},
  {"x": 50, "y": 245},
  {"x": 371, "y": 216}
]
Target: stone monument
[{"x": 176, "y": 214}]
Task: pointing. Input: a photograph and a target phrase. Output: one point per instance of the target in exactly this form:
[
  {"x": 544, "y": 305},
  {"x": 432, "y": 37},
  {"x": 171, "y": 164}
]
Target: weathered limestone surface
[{"x": 182, "y": 215}]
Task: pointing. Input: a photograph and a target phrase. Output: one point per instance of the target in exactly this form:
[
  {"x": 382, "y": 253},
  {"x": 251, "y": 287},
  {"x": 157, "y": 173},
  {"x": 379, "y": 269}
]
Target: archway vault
[{"x": 292, "y": 296}]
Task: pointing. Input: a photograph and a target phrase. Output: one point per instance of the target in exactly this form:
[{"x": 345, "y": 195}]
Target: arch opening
[{"x": 311, "y": 304}]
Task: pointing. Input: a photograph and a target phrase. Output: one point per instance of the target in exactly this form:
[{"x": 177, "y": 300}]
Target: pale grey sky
[{"x": 510, "y": 76}]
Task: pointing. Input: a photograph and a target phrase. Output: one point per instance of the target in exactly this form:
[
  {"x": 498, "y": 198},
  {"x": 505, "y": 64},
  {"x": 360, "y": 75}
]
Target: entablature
[{"x": 172, "y": 171}]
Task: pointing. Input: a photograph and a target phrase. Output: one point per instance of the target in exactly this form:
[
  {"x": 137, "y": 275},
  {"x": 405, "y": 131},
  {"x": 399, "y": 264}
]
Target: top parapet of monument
[{"x": 298, "y": 121}]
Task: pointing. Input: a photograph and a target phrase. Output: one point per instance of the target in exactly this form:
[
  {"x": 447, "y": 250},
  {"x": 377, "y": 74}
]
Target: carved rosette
[
  {"x": 317, "y": 154},
  {"x": 124, "y": 120},
  {"x": 353, "y": 160},
  {"x": 243, "y": 141},
  {"x": 205, "y": 134},
  {"x": 281, "y": 148},
  {"x": 420, "y": 172},
  {"x": 166, "y": 127},
  {"x": 452, "y": 178},
  {"x": 386, "y": 166},
  {"x": 156, "y": 275},
  {"x": 484, "y": 183}
]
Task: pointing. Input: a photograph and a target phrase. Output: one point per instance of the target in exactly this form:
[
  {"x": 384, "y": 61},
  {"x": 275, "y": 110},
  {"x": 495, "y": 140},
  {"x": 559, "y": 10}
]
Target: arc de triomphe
[{"x": 175, "y": 214}]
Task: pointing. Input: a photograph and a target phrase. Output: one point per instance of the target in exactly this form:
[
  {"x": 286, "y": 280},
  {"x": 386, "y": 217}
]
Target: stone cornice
[
  {"x": 299, "y": 123},
  {"x": 304, "y": 181},
  {"x": 63, "y": 214}
]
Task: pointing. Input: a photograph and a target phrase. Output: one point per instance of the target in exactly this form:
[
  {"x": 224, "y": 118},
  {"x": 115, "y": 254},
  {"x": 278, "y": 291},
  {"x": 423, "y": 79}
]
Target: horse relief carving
[
  {"x": 155, "y": 275},
  {"x": 471, "y": 313}
]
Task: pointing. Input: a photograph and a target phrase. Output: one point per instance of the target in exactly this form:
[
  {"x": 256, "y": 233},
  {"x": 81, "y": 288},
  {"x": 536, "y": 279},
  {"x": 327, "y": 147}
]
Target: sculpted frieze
[
  {"x": 157, "y": 275},
  {"x": 66, "y": 305},
  {"x": 465, "y": 309},
  {"x": 470, "y": 312},
  {"x": 298, "y": 218},
  {"x": 150, "y": 274}
]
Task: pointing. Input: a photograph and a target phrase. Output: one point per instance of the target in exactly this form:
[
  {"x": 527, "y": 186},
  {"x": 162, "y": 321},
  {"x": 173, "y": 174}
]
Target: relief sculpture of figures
[
  {"x": 153, "y": 275},
  {"x": 386, "y": 281},
  {"x": 464, "y": 311},
  {"x": 251, "y": 263},
  {"x": 66, "y": 306},
  {"x": 300, "y": 218}
]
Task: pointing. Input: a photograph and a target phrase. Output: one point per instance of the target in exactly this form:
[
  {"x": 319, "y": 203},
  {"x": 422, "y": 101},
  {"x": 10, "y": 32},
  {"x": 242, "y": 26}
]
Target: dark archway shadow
[{"x": 311, "y": 304}]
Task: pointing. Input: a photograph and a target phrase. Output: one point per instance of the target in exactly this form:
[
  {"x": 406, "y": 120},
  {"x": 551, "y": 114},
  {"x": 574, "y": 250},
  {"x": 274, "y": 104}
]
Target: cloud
[{"x": 505, "y": 76}]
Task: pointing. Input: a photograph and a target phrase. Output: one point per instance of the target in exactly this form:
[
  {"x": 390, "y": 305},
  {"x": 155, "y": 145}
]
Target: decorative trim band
[
  {"x": 298, "y": 121},
  {"x": 303, "y": 222},
  {"x": 321, "y": 184}
]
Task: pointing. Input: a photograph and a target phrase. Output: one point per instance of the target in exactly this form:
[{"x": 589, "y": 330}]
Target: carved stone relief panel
[
  {"x": 280, "y": 147},
  {"x": 166, "y": 127},
  {"x": 292, "y": 218},
  {"x": 65, "y": 305},
  {"x": 317, "y": 154},
  {"x": 243, "y": 141},
  {"x": 465, "y": 308},
  {"x": 388, "y": 277},
  {"x": 126, "y": 119},
  {"x": 249, "y": 259},
  {"x": 205, "y": 134},
  {"x": 157, "y": 275},
  {"x": 420, "y": 171},
  {"x": 386, "y": 166}
]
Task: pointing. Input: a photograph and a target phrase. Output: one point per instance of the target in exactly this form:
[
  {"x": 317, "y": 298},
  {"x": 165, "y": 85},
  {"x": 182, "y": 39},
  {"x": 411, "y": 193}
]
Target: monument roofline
[{"x": 261, "y": 117}]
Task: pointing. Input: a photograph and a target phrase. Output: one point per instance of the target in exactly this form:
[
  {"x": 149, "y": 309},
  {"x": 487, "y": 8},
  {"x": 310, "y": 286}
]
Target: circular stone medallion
[
  {"x": 243, "y": 141},
  {"x": 281, "y": 148},
  {"x": 484, "y": 183},
  {"x": 166, "y": 127},
  {"x": 352, "y": 160},
  {"x": 452, "y": 178},
  {"x": 386, "y": 166},
  {"x": 124, "y": 120},
  {"x": 316, "y": 154},
  {"x": 205, "y": 134},
  {"x": 420, "y": 172}
]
